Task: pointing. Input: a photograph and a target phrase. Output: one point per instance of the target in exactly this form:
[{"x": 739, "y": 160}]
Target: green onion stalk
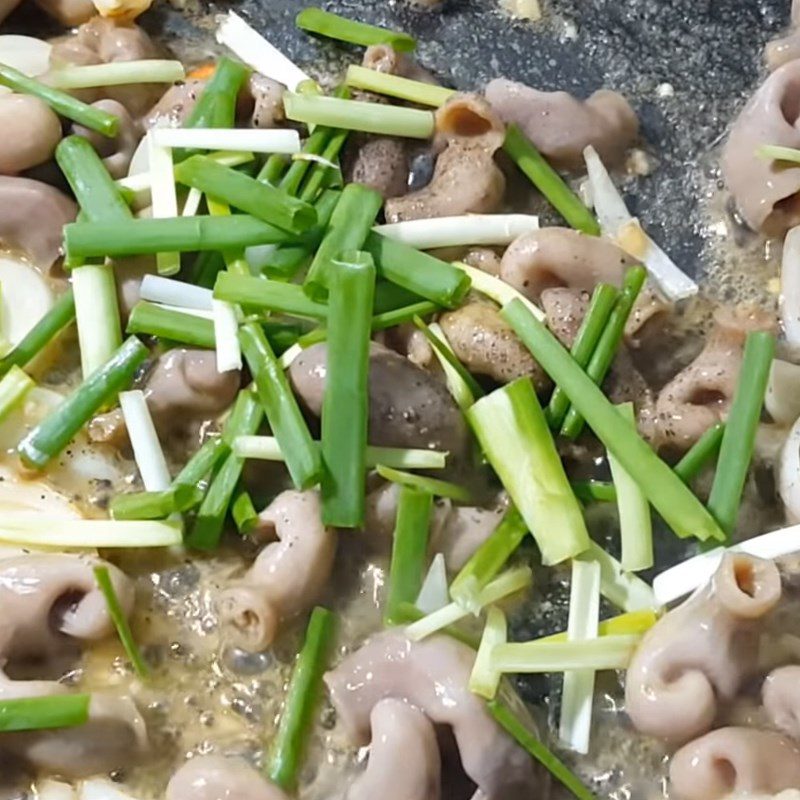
[
  {"x": 262, "y": 293},
  {"x": 434, "y": 486},
  {"x": 44, "y": 713},
  {"x": 324, "y": 23},
  {"x": 155, "y": 505},
  {"x": 151, "y": 319}
]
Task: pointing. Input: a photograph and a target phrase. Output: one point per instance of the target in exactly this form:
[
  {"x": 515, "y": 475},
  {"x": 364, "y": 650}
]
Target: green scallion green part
[
  {"x": 277, "y": 296},
  {"x": 409, "y": 551},
  {"x": 774, "y": 152},
  {"x": 322, "y": 175},
  {"x": 418, "y": 272},
  {"x": 600, "y": 306},
  {"x": 736, "y": 450},
  {"x": 425, "y": 94},
  {"x": 283, "y": 413},
  {"x": 62, "y": 103},
  {"x": 434, "y": 486},
  {"x": 700, "y": 453},
  {"x": 206, "y": 267},
  {"x": 608, "y": 343},
  {"x": 40, "y": 713},
  {"x": 302, "y": 698},
  {"x": 350, "y": 224},
  {"x": 151, "y": 319},
  {"x": 202, "y": 463},
  {"x": 14, "y": 385},
  {"x": 155, "y": 505},
  {"x": 516, "y": 440},
  {"x": 244, "y": 420},
  {"x": 53, "y": 434},
  {"x": 589, "y": 491},
  {"x": 104, "y": 583},
  {"x": 324, "y": 23},
  {"x": 548, "y": 181},
  {"x": 357, "y": 115},
  {"x": 681, "y": 510},
  {"x": 244, "y": 513},
  {"x": 351, "y": 280},
  {"x": 42, "y": 333},
  {"x": 262, "y": 200}
]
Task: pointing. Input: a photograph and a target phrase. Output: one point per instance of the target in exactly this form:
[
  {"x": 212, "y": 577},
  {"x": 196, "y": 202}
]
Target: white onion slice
[
  {"x": 434, "y": 594},
  {"x": 790, "y": 288},
  {"x": 782, "y": 399},
  {"x": 789, "y": 474},
  {"x": 230, "y": 139},
  {"x": 53, "y": 790},
  {"x": 101, "y": 789},
  {"x": 29, "y": 55},
  {"x": 26, "y": 298},
  {"x": 175, "y": 293}
]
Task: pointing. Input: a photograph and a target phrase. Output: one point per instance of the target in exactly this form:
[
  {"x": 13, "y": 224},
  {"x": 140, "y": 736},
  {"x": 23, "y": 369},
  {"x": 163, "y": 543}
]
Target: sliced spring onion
[
  {"x": 434, "y": 486},
  {"x": 174, "y": 293},
  {"x": 424, "y": 94},
  {"x": 315, "y": 20},
  {"x": 357, "y": 115},
  {"x": 739, "y": 437},
  {"x": 624, "y": 589},
  {"x": 484, "y": 679},
  {"x": 191, "y": 206},
  {"x": 97, "y": 314},
  {"x": 233, "y": 140},
  {"x": 147, "y": 450},
  {"x": 774, "y": 152},
  {"x": 680, "y": 509},
  {"x": 631, "y": 622},
  {"x": 40, "y": 713},
  {"x": 700, "y": 453},
  {"x": 226, "y": 336},
  {"x": 548, "y": 181},
  {"x": 635, "y": 525},
  {"x": 515, "y": 438},
  {"x": 244, "y": 513},
  {"x": 433, "y": 595},
  {"x": 510, "y": 582},
  {"x": 589, "y": 491},
  {"x": 409, "y": 550},
  {"x": 497, "y": 289},
  {"x": 154, "y": 320},
  {"x": 103, "y": 578},
  {"x": 302, "y": 697},
  {"x": 14, "y": 385},
  {"x": 53, "y": 434},
  {"x": 155, "y": 505},
  {"x": 257, "y": 52},
  {"x": 266, "y": 448},
  {"x": 46, "y": 531},
  {"x": 202, "y": 463},
  {"x": 164, "y": 200},
  {"x": 577, "y": 695},
  {"x": 618, "y": 224},
  {"x": 116, "y": 73},
  {"x": 216, "y": 106},
  {"x": 469, "y": 229},
  {"x": 276, "y": 296}
]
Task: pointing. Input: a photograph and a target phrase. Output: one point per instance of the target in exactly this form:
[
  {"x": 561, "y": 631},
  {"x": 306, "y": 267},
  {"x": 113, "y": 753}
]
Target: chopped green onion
[
  {"x": 425, "y": 94},
  {"x": 290, "y": 182},
  {"x": 244, "y": 513},
  {"x": 635, "y": 525},
  {"x": 736, "y": 450},
  {"x": 245, "y": 419},
  {"x": 497, "y": 289},
  {"x": 103, "y": 578},
  {"x": 117, "y": 73},
  {"x": 587, "y": 491},
  {"x": 356, "y": 115},
  {"x": 511, "y": 723},
  {"x": 41, "y": 530},
  {"x": 202, "y": 463},
  {"x": 513, "y": 433},
  {"x": 216, "y": 106},
  {"x": 409, "y": 550},
  {"x": 277, "y": 296},
  {"x": 40, "y": 713},
  {"x": 774, "y": 152},
  {"x": 154, "y": 320},
  {"x": 434, "y": 486},
  {"x": 164, "y": 197},
  {"x": 351, "y": 280},
  {"x": 418, "y": 272},
  {"x": 484, "y": 679},
  {"x": 14, "y": 385},
  {"x": 487, "y": 561},
  {"x": 608, "y": 343},
  {"x": 548, "y": 181},
  {"x": 607, "y": 652},
  {"x": 267, "y": 449},
  {"x": 433, "y": 593},
  {"x": 305, "y": 687},
  {"x": 67, "y": 106},
  {"x": 259, "y": 199},
  {"x": 147, "y": 453},
  {"x": 184, "y": 234},
  {"x": 510, "y": 582},
  {"x": 283, "y": 413},
  {"x": 603, "y": 300},
  {"x": 624, "y": 589},
  {"x": 155, "y": 505},
  {"x": 315, "y": 20},
  {"x": 349, "y": 227},
  {"x": 631, "y": 622},
  {"x": 681, "y": 510},
  {"x": 700, "y": 453},
  {"x": 53, "y": 434},
  {"x": 322, "y": 174}
]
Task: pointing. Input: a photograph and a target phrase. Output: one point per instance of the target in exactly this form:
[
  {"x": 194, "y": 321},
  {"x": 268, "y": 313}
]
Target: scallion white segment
[
  {"x": 147, "y": 451},
  {"x": 117, "y": 73},
  {"x": 163, "y": 197},
  {"x": 192, "y": 204},
  {"x": 96, "y": 314},
  {"x": 485, "y": 679},
  {"x": 504, "y": 585},
  {"x": 252, "y": 48},
  {"x": 498, "y": 290},
  {"x": 456, "y": 385},
  {"x": 606, "y": 652},
  {"x": 39, "y": 530},
  {"x": 618, "y": 224},
  {"x": 266, "y": 448},
  {"x": 175, "y": 293},
  {"x": 684, "y": 578},
  {"x": 434, "y": 594},
  {"x": 226, "y": 335},
  {"x": 238, "y": 140},
  {"x": 790, "y": 288},
  {"x": 635, "y": 525},
  {"x": 577, "y": 695},
  {"x": 469, "y": 229},
  {"x": 624, "y": 589}
]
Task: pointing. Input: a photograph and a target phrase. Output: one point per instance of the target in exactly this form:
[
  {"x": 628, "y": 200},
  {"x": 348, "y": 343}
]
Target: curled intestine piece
[{"x": 702, "y": 651}]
